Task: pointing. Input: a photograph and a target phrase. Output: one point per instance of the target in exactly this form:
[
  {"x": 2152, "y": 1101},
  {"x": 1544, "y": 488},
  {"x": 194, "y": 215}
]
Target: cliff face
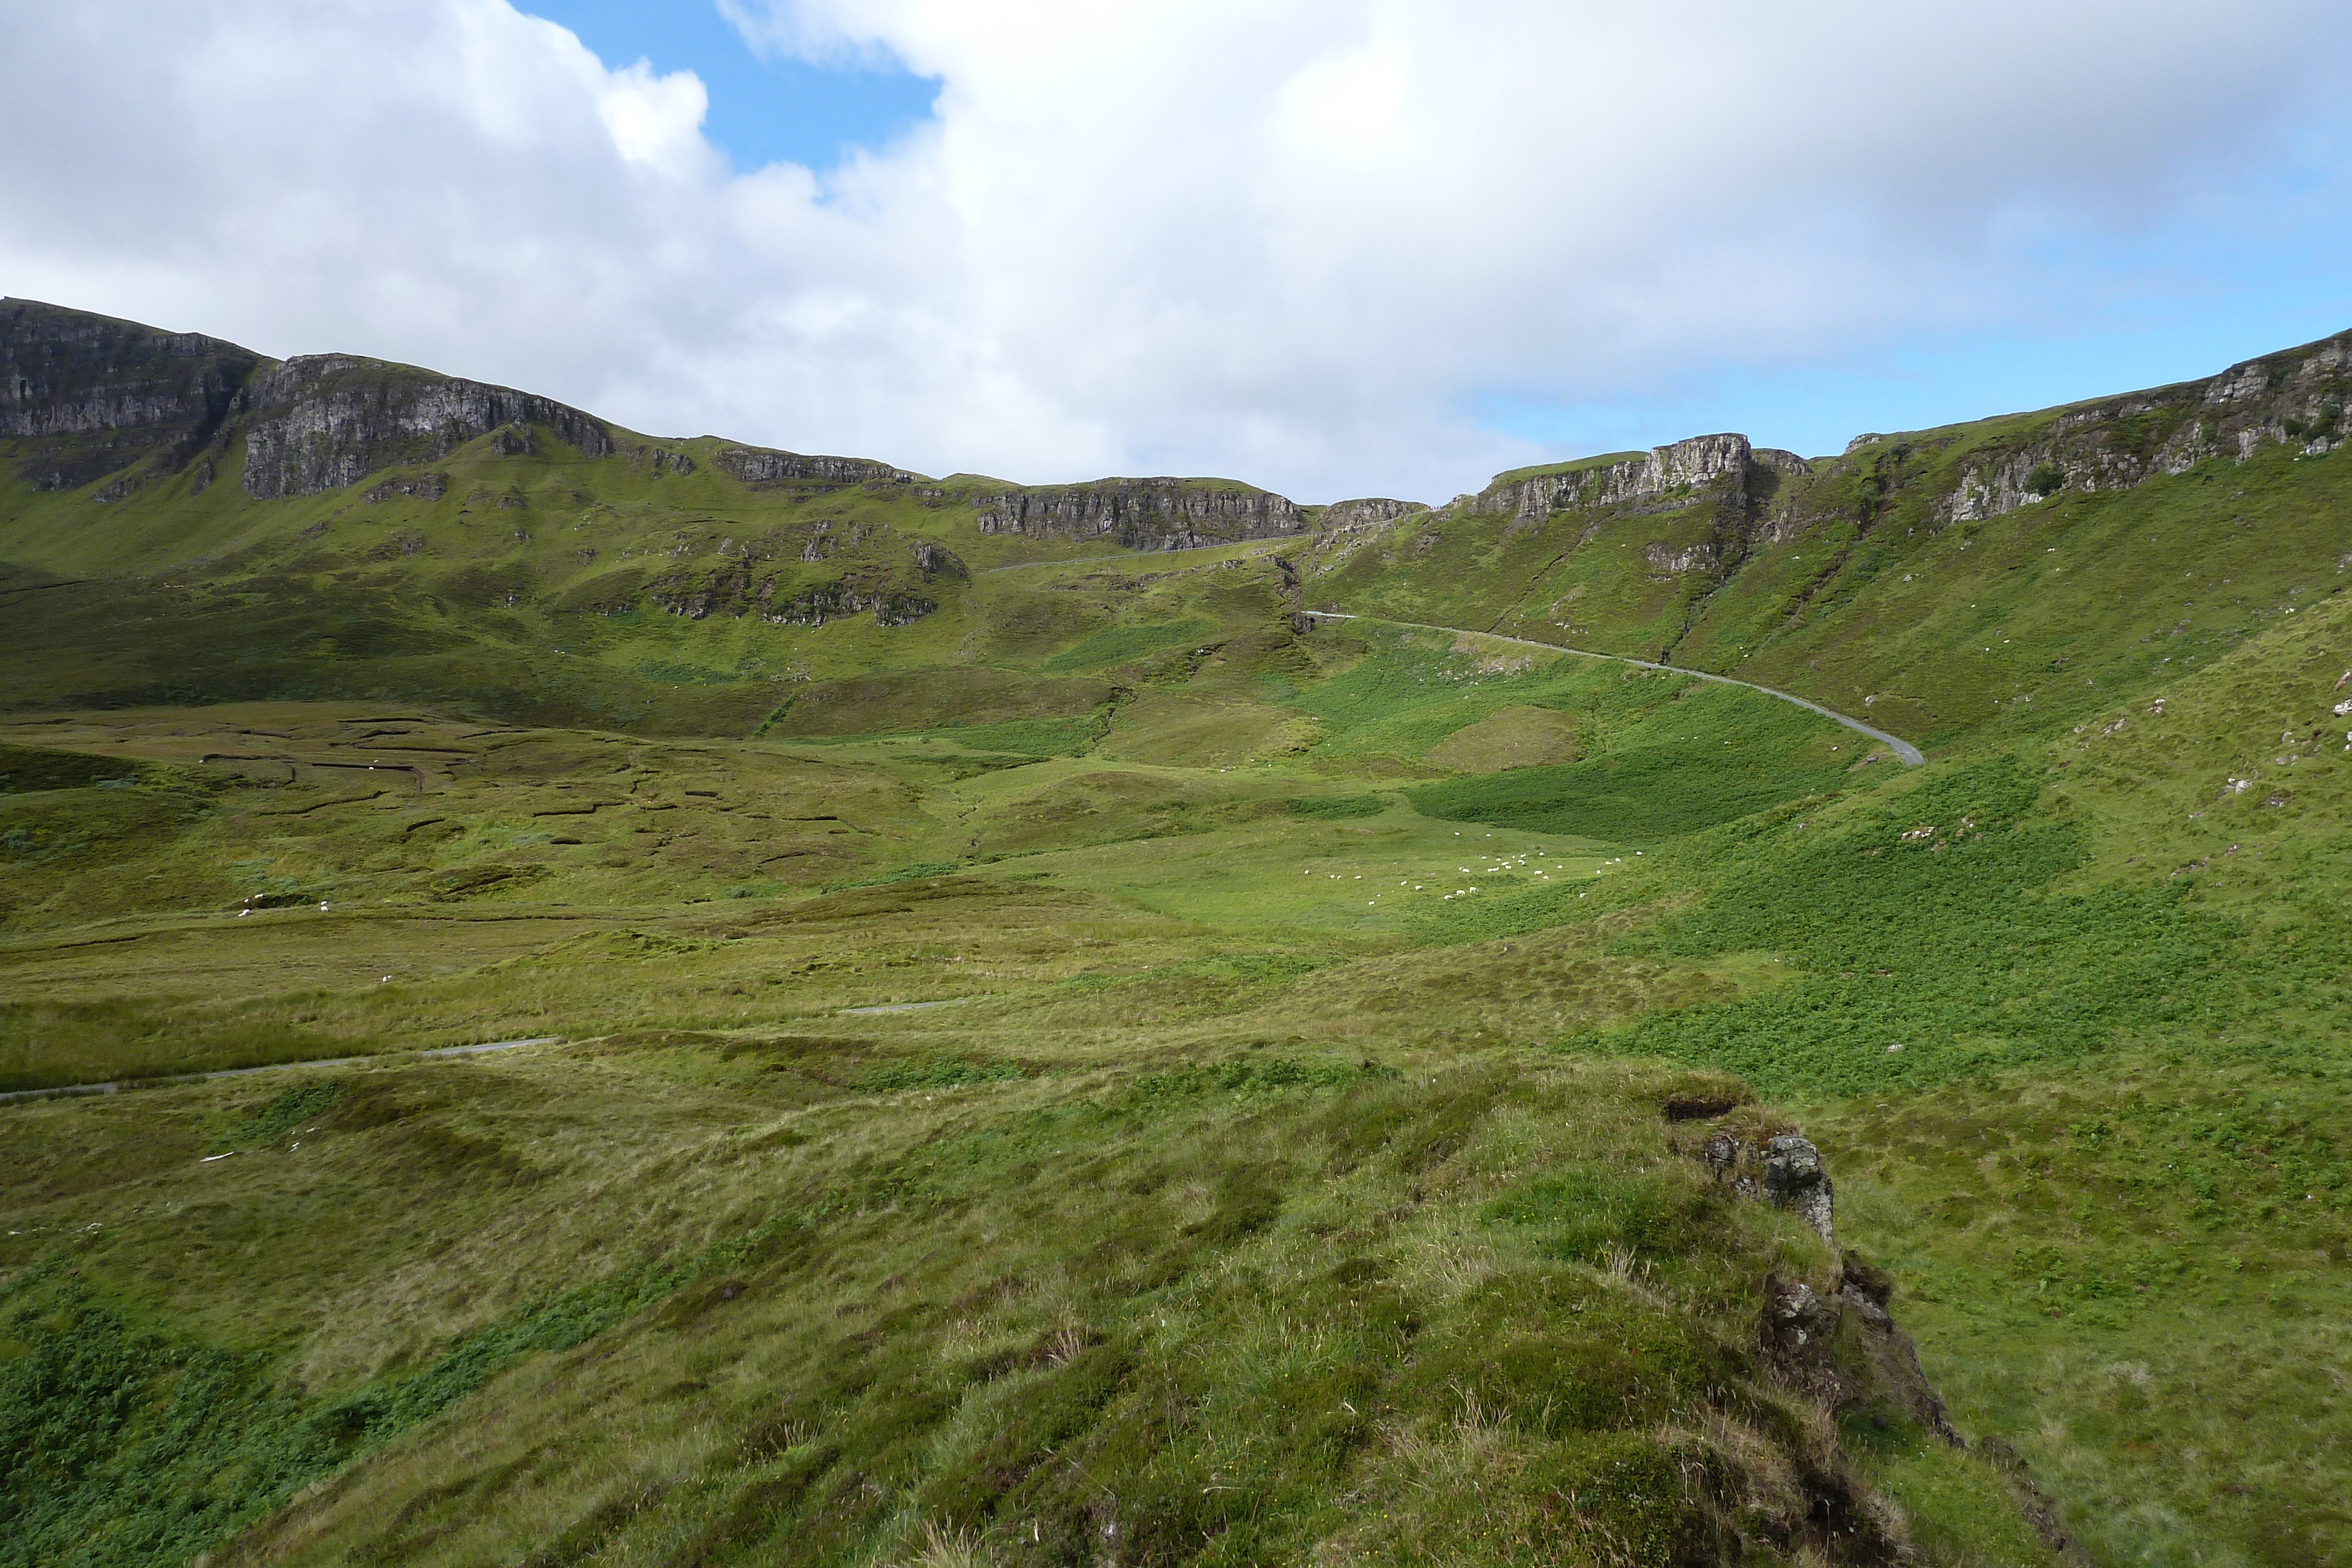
[
  {"x": 1140, "y": 514},
  {"x": 1721, "y": 489},
  {"x": 85, "y": 398},
  {"x": 324, "y": 421},
  {"x": 757, "y": 465},
  {"x": 2299, "y": 396},
  {"x": 93, "y": 396},
  {"x": 1722, "y": 464},
  {"x": 1370, "y": 511}
]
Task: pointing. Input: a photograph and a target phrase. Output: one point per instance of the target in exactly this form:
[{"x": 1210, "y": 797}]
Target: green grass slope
[
  {"x": 1060, "y": 1058},
  {"x": 885, "y": 1305},
  {"x": 2004, "y": 578}
]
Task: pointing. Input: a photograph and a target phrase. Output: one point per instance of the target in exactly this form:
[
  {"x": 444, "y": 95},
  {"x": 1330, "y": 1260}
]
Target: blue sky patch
[{"x": 763, "y": 112}]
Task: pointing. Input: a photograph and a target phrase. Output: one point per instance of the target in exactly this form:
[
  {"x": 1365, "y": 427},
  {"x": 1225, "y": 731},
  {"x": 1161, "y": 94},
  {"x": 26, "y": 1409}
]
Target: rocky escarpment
[
  {"x": 1140, "y": 514},
  {"x": 760, "y": 466},
  {"x": 1726, "y": 466},
  {"x": 2300, "y": 397},
  {"x": 324, "y": 421},
  {"x": 1729, "y": 485},
  {"x": 91, "y": 395},
  {"x": 1370, "y": 511},
  {"x": 1664, "y": 476}
]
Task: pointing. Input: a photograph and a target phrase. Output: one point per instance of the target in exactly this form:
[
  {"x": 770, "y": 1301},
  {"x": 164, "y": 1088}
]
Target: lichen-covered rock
[
  {"x": 935, "y": 561},
  {"x": 658, "y": 461},
  {"x": 423, "y": 487},
  {"x": 730, "y": 591},
  {"x": 1795, "y": 1179},
  {"x": 1723, "y": 464}
]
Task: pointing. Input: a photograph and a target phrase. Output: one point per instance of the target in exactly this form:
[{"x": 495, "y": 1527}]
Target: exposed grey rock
[
  {"x": 95, "y": 395},
  {"x": 1795, "y": 1179},
  {"x": 1722, "y": 1155},
  {"x": 2296, "y": 397},
  {"x": 757, "y": 465},
  {"x": 324, "y": 421},
  {"x": 1795, "y": 1315},
  {"x": 68, "y": 372},
  {"x": 659, "y": 460},
  {"x": 1728, "y": 482},
  {"x": 424, "y": 487},
  {"x": 1721, "y": 462},
  {"x": 932, "y": 560},
  {"x": 730, "y": 591},
  {"x": 1142, "y": 514},
  {"x": 1367, "y": 512},
  {"x": 814, "y": 607}
]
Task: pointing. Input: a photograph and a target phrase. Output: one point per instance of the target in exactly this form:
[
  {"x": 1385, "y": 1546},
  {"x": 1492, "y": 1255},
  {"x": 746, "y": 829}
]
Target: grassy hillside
[
  {"x": 2004, "y": 578},
  {"x": 1048, "y": 1056}
]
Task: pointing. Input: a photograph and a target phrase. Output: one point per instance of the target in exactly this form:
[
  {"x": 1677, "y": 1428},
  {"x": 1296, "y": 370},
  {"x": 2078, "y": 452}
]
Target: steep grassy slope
[{"x": 2002, "y": 578}]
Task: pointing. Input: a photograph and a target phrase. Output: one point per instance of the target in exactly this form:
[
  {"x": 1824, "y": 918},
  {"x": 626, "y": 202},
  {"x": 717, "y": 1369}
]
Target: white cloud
[{"x": 1300, "y": 243}]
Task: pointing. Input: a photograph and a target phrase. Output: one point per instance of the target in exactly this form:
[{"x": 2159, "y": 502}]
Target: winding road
[{"x": 1902, "y": 749}]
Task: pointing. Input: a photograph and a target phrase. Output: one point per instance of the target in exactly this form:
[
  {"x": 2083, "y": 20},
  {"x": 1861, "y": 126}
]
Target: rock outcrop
[
  {"x": 1722, "y": 465},
  {"x": 2300, "y": 397},
  {"x": 1142, "y": 514},
  {"x": 1370, "y": 511},
  {"x": 760, "y": 466},
  {"x": 423, "y": 487},
  {"x": 1795, "y": 1179},
  {"x": 1834, "y": 1338},
  {"x": 324, "y": 421},
  {"x": 935, "y": 561},
  {"x": 1784, "y": 1168},
  {"x": 93, "y": 396},
  {"x": 1729, "y": 483}
]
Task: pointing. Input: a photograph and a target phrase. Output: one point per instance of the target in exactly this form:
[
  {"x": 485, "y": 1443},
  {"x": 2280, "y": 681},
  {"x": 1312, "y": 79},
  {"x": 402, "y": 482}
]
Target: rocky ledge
[
  {"x": 325, "y": 421},
  {"x": 2302, "y": 397},
  {"x": 761, "y": 466},
  {"x": 93, "y": 396},
  {"x": 1142, "y": 514}
]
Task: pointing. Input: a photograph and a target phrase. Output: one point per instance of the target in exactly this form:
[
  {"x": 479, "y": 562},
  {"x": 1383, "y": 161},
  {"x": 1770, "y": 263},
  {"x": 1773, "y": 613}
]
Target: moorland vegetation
[{"x": 1043, "y": 1049}]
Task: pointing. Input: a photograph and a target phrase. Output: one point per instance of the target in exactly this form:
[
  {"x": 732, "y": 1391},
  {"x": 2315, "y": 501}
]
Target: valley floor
[{"x": 1290, "y": 1179}]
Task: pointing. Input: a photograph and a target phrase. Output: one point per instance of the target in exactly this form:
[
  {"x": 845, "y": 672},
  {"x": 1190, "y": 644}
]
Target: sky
[{"x": 1335, "y": 247}]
